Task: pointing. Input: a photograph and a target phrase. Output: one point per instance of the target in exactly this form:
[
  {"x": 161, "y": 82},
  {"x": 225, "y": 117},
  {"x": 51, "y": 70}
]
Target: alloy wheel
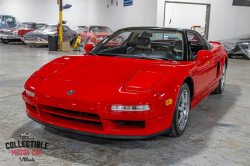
[
  {"x": 183, "y": 109},
  {"x": 223, "y": 77}
]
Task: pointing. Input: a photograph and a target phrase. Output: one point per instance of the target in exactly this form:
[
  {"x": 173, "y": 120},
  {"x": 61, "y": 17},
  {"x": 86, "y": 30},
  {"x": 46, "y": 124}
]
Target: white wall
[
  {"x": 141, "y": 13},
  {"x": 83, "y": 12},
  {"x": 226, "y": 21},
  {"x": 174, "y": 12},
  {"x": 46, "y": 11}
]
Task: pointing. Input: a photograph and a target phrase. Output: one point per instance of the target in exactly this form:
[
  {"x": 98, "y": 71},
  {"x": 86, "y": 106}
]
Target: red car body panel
[
  {"x": 22, "y": 32},
  {"x": 101, "y": 81}
]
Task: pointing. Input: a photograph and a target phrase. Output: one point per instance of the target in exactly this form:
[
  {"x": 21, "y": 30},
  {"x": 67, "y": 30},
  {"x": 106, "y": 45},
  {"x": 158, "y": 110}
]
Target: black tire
[
  {"x": 230, "y": 55},
  {"x": 5, "y": 41},
  {"x": 221, "y": 87},
  {"x": 175, "y": 130},
  {"x": 246, "y": 57}
]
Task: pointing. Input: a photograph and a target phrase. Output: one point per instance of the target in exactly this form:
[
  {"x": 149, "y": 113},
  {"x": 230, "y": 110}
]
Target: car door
[{"x": 206, "y": 69}]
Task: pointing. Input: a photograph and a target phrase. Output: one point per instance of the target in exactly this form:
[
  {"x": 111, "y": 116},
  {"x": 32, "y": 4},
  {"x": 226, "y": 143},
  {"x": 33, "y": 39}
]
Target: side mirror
[
  {"x": 85, "y": 31},
  {"x": 88, "y": 47},
  {"x": 204, "y": 55}
]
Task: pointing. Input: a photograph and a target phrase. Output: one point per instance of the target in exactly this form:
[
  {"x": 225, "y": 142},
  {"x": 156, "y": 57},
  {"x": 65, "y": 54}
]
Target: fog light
[
  {"x": 30, "y": 93},
  {"x": 130, "y": 108}
]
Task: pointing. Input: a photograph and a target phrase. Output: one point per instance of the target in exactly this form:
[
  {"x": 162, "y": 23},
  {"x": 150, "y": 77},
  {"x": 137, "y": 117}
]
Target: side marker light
[{"x": 169, "y": 101}]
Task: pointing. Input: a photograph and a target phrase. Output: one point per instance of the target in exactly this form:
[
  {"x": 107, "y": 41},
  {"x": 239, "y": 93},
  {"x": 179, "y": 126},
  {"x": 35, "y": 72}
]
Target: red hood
[
  {"x": 96, "y": 77},
  {"x": 101, "y": 33},
  {"x": 104, "y": 69}
]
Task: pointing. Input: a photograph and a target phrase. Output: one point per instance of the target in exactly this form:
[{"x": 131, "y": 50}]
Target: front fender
[{"x": 169, "y": 85}]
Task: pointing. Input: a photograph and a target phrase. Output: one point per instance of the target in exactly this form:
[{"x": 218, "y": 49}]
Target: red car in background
[
  {"x": 95, "y": 34},
  {"x": 17, "y": 33}
]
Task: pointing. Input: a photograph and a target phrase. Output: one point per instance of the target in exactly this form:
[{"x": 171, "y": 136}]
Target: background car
[
  {"x": 141, "y": 88},
  {"x": 16, "y": 34},
  {"x": 40, "y": 37},
  {"x": 95, "y": 34},
  {"x": 239, "y": 46},
  {"x": 7, "y": 21}
]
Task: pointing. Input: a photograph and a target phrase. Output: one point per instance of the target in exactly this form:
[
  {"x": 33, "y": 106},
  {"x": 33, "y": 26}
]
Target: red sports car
[
  {"x": 95, "y": 34},
  {"x": 145, "y": 87}
]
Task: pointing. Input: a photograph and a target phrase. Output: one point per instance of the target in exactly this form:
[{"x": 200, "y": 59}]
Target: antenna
[{"x": 171, "y": 17}]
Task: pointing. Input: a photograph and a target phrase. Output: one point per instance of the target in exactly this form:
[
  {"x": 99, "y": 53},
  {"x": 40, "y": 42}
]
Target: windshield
[
  {"x": 49, "y": 28},
  {"x": 40, "y": 26},
  {"x": 143, "y": 44},
  {"x": 27, "y": 26},
  {"x": 100, "y": 29}
]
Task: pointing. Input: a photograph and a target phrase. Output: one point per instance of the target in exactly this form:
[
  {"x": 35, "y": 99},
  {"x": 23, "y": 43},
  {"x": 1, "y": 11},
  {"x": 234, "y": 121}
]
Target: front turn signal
[{"x": 169, "y": 101}]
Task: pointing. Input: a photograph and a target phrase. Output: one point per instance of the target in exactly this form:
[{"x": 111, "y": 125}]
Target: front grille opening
[
  {"x": 76, "y": 112},
  {"x": 77, "y": 120},
  {"x": 131, "y": 123},
  {"x": 31, "y": 108}
]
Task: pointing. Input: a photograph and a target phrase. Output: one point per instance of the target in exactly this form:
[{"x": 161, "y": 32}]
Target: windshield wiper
[
  {"x": 153, "y": 58},
  {"x": 147, "y": 57}
]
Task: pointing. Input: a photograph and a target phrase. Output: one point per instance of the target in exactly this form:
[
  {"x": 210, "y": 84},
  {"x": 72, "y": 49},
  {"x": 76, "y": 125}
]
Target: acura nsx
[{"x": 142, "y": 87}]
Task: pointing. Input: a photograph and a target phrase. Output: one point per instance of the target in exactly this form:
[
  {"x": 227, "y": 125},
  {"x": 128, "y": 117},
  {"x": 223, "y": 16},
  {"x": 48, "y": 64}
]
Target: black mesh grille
[{"x": 77, "y": 120}]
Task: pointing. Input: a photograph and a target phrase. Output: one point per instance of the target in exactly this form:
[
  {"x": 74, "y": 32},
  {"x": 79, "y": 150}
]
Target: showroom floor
[{"x": 217, "y": 133}]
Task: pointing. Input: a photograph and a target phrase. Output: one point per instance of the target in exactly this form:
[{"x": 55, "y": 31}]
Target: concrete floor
[{"x": 218, "y": 132}]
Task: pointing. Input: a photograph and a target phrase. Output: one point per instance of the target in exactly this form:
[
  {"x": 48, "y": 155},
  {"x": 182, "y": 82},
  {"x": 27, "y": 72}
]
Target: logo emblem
[
  {"x": 27, "y": 136},
  {"x": 70, "y": 92}
]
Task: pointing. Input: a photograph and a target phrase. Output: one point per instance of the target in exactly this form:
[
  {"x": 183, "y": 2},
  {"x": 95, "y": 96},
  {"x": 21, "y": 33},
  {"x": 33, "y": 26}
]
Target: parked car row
[{"x": 36, "y": 34}]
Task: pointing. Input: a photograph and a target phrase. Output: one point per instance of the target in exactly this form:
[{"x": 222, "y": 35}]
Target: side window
[
  {"x": 85, "y": 29},
  {"x": 196, "y": 43},
  {"x": 65, "y": 29}
]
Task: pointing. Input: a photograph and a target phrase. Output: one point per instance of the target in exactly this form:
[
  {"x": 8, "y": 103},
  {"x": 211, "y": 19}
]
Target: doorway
[{"x": 187, "y": 15}]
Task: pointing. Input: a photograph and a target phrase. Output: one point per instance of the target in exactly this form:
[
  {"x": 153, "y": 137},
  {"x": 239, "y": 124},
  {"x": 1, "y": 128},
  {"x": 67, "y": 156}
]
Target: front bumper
[
  {"x": 101, "y": 135},
  {"x": 10, "y": 37},
  {"x": 102, "y": 124}
]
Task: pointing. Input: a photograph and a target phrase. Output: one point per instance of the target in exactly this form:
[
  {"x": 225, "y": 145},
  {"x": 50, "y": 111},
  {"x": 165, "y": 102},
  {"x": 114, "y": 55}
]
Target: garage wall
[
  {"x": 141, "y": 13},
  {"x": 46, "y": 11},
  {"x": 174, "y": 13},
  {"x": 226, "y": 21},
  {"x": 83, "y": 12}
]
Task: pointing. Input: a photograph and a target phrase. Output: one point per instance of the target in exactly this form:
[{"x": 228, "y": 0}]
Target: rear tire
[
  {"x": 5, "y": 41},
  {"x": 221, "y": 86},
  {"x": 182, "y": 108}
]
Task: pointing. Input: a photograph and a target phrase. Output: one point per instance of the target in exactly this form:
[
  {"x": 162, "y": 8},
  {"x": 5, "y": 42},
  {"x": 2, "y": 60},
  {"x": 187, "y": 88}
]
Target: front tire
[
  {"x": 245, "y": 57},
  {"x": 221, "y": 87},
  {"x": 5, "y": 41},
  {"x": 182, "y": 108}
]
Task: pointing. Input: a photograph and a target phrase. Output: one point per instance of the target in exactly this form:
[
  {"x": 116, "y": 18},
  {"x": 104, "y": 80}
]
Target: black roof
[{"x": 154, "y": 28}]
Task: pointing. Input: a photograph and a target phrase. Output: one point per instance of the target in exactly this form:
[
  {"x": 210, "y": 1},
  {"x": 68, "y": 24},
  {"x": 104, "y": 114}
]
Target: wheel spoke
[{"x": 180, "y": 118}]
